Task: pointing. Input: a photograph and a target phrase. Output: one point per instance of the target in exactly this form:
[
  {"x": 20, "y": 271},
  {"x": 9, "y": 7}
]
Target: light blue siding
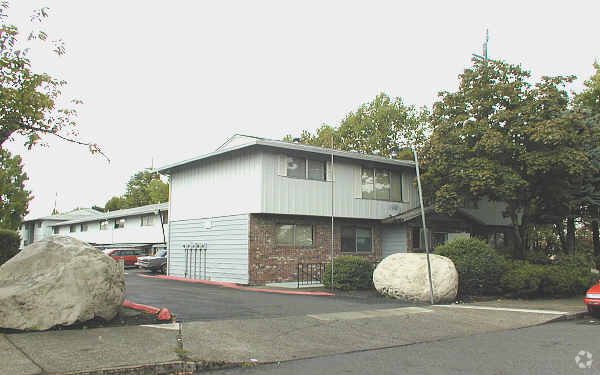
[
  {"x": 227, "y": 247},
  {"x": 393, "y": 239}
]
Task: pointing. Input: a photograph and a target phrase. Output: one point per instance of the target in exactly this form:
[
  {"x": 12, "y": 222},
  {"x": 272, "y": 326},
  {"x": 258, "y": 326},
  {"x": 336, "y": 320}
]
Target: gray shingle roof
[
  {"x": 71, "y": 215},
  {"x": 119, "y": 213},
  {"x": 280, "y": 145}
]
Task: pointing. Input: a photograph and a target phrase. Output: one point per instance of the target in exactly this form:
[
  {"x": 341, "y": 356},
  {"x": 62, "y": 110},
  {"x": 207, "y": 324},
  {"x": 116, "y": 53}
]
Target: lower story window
[
  {"x": 438, "y": 238},
  {"x": 294, "y": 234},
  {"x": 356, "y": 239}
]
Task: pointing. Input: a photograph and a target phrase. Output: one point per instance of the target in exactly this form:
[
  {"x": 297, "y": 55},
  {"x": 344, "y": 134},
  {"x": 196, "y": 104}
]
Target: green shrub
[
  {"x": 568, "y": 277},
  {"x": 522, "y": 279},
  {"x": 9, "y": 244},
  {"x": 479, "y": 266},
  {"x": 349, "y": 272}
]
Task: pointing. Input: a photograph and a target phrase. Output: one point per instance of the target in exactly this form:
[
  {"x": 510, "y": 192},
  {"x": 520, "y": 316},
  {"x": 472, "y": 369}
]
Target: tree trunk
[
  {"x": 518, "y": 250},
  {"x": 570, "y": 235},
  {"x": 560, "y": 231},
  {"x": 596, "y": 238}
]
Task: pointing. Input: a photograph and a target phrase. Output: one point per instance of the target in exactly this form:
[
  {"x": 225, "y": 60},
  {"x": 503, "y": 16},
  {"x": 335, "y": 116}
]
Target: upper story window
[
  {"x": 294, "y": 234},
  {"x": 83, "y": 227},
  {"x": 381, "y": 184},
  {"x": 305, "y": 168},
  {"x": 148, "y": 220},
  {"x": 73, "y": 228},
  {"x": 119, "y": 223},
  {"x": 104, "y": 225}
]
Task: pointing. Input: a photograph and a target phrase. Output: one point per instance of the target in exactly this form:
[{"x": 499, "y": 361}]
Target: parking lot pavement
[{"x": 199, "y": 302}]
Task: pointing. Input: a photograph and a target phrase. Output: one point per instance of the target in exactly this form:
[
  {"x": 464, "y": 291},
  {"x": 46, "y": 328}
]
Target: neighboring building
[
  {"x": 140, "y": 227},
  {"x": 263, "y": 206},
  {"x": 41, "y": 227}
]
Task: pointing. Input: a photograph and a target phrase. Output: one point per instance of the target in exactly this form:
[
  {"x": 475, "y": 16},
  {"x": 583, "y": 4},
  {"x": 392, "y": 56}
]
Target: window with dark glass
[
  {"x": 381, "y": 184},
  {"x": 294, "y": 234},
  {"x": 83, "y": 227},
  {"x": 438, "y": 238},
  {"x": 55, "y": 230},
  {"x": 148, "y": 220},
  {"x": 119, "y": 223},
  {"x": 356, "y": 239},
  {"x": 305, "y": 169},
  {"x": 73, "y": 228}
]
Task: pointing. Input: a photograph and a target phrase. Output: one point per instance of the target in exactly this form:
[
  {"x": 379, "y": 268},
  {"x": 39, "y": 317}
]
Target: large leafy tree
[
  {"x": 29, "y": 101},
  {"x": 502, "y": 137},
  {"x": 384, "y": 125},
  {"x": 14, "y": 198},
  {"x": 589, "y": 100},
  {"x": 144, "y": 187}
]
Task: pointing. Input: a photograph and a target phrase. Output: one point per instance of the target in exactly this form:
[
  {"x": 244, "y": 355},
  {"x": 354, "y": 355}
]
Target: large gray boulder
[
  {"x": 59, "y": 281},
  {"x": 404, "y": 276}
]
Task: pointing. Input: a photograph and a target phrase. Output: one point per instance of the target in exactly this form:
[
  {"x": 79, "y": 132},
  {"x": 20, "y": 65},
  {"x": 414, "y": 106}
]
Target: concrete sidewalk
[{"x": 263, "y": 340}]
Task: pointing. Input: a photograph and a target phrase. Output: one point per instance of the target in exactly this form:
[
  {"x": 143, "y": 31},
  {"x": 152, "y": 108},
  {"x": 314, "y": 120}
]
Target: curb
[
  {"x": 236, "y": 286},
  {"x": 163, "y": 368},
  {"x": 163, "y": 314},
  {"x": 569, "y": 316}
]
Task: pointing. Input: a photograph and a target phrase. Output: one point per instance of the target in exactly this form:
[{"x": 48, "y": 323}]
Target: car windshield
[{"x": 161, "y": 253}]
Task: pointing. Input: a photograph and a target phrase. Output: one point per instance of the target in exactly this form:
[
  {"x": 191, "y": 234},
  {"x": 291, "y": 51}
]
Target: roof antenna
[{"x": 484, "y": 57}]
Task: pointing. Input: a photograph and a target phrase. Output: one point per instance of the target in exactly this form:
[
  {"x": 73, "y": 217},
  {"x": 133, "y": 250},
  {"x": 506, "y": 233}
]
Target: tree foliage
[
  {"x": 385, "y": 126},
  {"x": 502, "y": 137},
  {"x": 14, "y": 198},
  {"x": 29, "y": 101},
  {"x": 143, "y": 188}
]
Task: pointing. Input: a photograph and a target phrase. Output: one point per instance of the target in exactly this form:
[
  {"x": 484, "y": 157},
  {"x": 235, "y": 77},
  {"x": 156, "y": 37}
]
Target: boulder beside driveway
[
  {"x": 59, "y": 280},
  {"x": 404, "y": 276}
]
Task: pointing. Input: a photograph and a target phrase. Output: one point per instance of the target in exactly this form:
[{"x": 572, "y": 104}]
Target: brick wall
[{"x": 269, "y": 262}]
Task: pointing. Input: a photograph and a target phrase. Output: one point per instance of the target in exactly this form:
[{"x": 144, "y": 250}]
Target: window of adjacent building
[
  {"x": 55, "y": 230},
  {"x": 498, "y": 240},
  {"x": 83, "y": 227},
  {"x": 438, "y": 238},
  {"x": 104, "y": 225},
  {"x": 381, "y": 184},
  {"x": 356, "y": 239},
  {"x": 147, "y": 220},
  {"x": 294, "y": 234},
  {"x": 73, "y": 228},
  {"x": 418, "y": 239},
  {"x": 305, "y": 168},
  {"x": 119, "y": 223}
]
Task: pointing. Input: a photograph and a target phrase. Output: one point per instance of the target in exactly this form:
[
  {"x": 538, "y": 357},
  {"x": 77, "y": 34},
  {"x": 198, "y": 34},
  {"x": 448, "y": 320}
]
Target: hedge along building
[{"x": 263, "y": 206}]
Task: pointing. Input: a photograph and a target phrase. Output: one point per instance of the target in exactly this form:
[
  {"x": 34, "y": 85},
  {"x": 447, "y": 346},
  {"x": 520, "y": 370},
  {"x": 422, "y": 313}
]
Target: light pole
[{"x": 424, "y": 227}]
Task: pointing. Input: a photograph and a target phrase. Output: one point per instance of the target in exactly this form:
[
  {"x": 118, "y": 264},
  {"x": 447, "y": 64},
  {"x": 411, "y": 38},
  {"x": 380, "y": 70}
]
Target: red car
[
  {"x": 592, "y": 299},
  {"x": 129, "y": 256}
]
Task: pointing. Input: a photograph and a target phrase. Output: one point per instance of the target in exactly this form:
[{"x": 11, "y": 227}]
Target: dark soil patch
[{"x": 125, "y": 317}]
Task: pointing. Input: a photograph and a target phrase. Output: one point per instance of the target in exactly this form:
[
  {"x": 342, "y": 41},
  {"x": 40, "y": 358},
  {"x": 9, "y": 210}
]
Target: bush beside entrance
[
  {"x": 349, "y": 272},
  {"x": 9, "y": 244}
]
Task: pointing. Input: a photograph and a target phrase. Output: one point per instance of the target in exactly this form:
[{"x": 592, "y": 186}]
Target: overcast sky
[{"x": 172, "y": 80}]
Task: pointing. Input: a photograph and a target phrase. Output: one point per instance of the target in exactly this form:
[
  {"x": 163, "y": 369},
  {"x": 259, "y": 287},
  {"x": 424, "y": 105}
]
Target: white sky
[{"x": 172, "y": 80}]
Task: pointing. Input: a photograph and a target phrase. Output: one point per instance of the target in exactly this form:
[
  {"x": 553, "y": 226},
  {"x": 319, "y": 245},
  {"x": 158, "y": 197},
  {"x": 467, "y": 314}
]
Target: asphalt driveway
[{"x": 199, "y": 302}]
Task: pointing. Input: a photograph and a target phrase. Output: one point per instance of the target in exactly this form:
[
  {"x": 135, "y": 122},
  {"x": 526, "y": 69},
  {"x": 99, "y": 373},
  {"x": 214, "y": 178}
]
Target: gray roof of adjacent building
[
  {"x": 159, "y": 207},
  {"x": 281, "y": 145},
  {"x": 71, "y": 215}
]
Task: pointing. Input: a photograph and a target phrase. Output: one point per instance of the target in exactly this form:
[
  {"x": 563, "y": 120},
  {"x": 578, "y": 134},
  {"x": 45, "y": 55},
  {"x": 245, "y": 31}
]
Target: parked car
[
  {"x": 129, "y": 256},
  {"x": 592, "y": 299},
  {"x": 156, "y": 263}
]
